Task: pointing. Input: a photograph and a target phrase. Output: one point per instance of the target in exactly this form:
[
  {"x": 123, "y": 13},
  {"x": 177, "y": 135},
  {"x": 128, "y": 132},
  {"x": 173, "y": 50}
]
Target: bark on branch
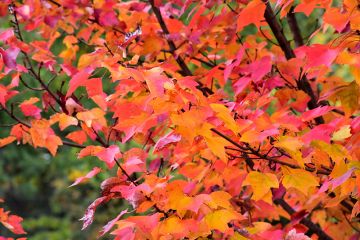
[
  {"x": 303, "y": 83},
  {"x": 306, "y": 221}
]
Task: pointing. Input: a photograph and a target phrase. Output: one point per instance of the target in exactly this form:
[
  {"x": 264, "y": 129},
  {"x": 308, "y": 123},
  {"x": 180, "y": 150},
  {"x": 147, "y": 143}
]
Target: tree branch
[
  {"x": 306, "y": 221},
  {"x": 303, "y": 83},
  {"x": 265, "y": 156},
  {"x": 294, "y": 27},
  {"x": 184, "y": 68}
]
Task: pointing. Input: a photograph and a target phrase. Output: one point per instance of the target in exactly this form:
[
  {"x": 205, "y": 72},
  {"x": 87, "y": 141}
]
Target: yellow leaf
[
  {"x": 172, "y": 225},
  {"x": 179, "y": 201},
  {"x": 355, "y": 70},
  {"x": 220, "y": 199},
  {"x": 289, "y": 143},
  {"x": 339, "y": 169},
  {"x": 238, "y": 236},
  {"x": 215, "y": 143},
  {"x": 299, "y": 179},
  {"x": 342, "y": 133},
  {"x": 261, "y": 184},
  {"x": 297, "y": 156},
  {"x": 189, "y": 123},
  {"x": 64, "y": 120},
  {"x": 258, "y": 227},
  {"x": 219, "y": 219},
  {"x": 335, "y": 151},
  {"x": 223, "y": 113},
  {"x": 349, "y": 97}
]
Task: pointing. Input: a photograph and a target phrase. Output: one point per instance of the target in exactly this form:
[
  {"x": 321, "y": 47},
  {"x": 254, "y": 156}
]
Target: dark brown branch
[
  {"x": 278, "y": 32},
  {"x": 184, "y": 68},
  {"x": 303, "y": 83},
  {"x": 265, "y": 156},
  {"x": 13, "y": 116},
  {"x": 30, "y": 67},
  {"x": 29, "y": 87},
  {"x": 351, "y": 225},
  {"x": 53, "y": 2},
  {"x": 306, "y": 221},
  {"x": 294, "y": 27},
  {"x": 263, "y": 34},
  {"x": 209, "y": 64},
  {"x": 71, "y": 144}
]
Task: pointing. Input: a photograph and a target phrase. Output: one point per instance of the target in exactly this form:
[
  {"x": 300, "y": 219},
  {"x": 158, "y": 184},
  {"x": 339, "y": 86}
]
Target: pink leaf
[
  {"x": 340, "y": 180},
  {"x": 316, "y": 112},
  {"x": 259, "y": 68},
  {"x": 355, "y": 125},
  {"x": 293, "y": 235},
  {"x": 9, "y": 56},
  {"x": 13, "y": 223},
  {"x": 171, "y": 137},
  {"x": 156, "y": 81},
  {"x": 5, "y": 35},
  {"x": 108, "y": 18},
  {"x": 233, "y": 63},
  {"x": 110, "y": 224},
  {"x": 241, "y": 84},
  {"x": 108, "y": 155},
  {"x": 89, "y": 175},
  {"x": 77, "y": 80},
  {"x": 317, "y": 55},
  {"x": 29, "y": 109},
  {"x": 90, "y": 211},
  {"x": 320, "y": 132}
]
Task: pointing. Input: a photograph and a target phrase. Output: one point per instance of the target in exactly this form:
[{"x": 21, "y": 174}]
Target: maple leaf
[
  {"x": 89, "y": 175},
  {"x": 88, "y": 217},
  {"x": 293, "y": 235},
  {"x": 224, "y": 114},
  {"x": 29, "y": 109},
  {"x": 299, "y": 179},
  {"x": 261, "y": 184},
  {"x": 11, "y": 222},
  {"x": 164, "y": 141},
  {"x": 77, "y": 136},
  {"x": 108, "y": 155},
  {"x": 219, "y": 219},
  {"x": 6, "y": 94},
  {"x": 9, "y": 56},
  {"x": 6, "y": 141},
  {"x": 110, "y": 224},
  {"x": 252, "y": 13},
  {"x": 78, "y": 80},
  {"x": 64, "y": 120}
]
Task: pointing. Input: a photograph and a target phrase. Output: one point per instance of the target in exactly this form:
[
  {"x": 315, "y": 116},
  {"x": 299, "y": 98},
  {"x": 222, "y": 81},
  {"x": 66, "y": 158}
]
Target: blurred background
[{"x": 34, "y": 186}]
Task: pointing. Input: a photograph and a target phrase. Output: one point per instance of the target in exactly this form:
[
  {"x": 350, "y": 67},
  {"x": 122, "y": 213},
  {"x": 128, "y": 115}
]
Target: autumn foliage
[{"x": 243, "y": 122}]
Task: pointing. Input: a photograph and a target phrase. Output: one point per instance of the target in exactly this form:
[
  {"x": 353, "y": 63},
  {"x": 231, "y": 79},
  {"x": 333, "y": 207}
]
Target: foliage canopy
[{"x": 243, "y": 116}]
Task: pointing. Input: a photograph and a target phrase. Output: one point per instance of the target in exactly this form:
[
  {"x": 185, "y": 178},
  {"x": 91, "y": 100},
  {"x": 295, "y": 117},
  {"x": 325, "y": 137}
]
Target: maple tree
[{"x": 242, "y": 127}]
